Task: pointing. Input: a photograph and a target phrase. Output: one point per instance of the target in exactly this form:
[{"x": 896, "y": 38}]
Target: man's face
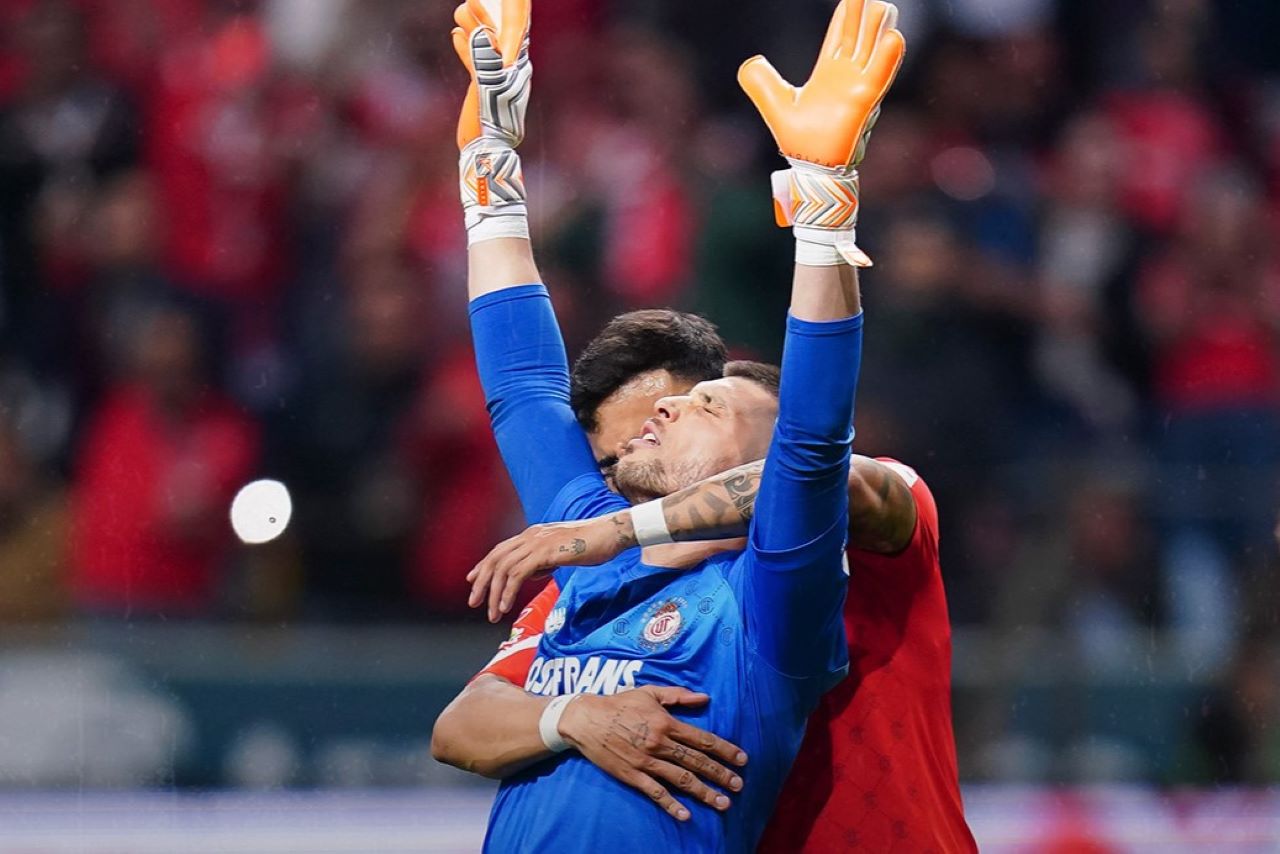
[
  {"x": 719, "y": 424},
  {"x": 619, "y": 417}
]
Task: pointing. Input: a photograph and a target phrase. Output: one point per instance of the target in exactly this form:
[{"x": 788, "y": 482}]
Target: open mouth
[{"x": 647, "y": 438}]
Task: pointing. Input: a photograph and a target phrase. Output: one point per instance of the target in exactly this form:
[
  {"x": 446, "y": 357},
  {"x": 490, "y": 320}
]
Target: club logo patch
[
  {"x": 555, "y": 621},
  {"x": 663, "y": 623}
]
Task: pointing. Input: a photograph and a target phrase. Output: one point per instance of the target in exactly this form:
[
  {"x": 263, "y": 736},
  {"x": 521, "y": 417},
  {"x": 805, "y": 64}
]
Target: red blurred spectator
[
  {"x": 1169, "y": 138},
  {"x": 1211, "y": 302},
  {"x": 213, "y": 145},
  {"x": 160, "y": 463}
]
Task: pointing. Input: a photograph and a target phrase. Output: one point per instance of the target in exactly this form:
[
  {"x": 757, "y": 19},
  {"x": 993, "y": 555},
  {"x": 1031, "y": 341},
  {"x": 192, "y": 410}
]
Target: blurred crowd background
[{"x": 231, "y": 246}]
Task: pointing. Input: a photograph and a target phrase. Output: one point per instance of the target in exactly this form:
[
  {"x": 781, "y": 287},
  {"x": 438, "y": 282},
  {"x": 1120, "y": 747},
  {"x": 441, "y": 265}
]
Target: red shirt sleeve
[{"x": 515, "y": 655}]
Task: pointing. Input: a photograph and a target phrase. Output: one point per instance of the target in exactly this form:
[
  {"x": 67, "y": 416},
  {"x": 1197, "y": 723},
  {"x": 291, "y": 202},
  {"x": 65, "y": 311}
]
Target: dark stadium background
[{"x": 231, "y": 247}]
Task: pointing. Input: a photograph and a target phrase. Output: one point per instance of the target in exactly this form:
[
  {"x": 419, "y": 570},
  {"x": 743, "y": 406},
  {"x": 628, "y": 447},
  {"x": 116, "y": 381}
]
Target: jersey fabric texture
[
  {"x": 877, "y": 769},
  {"x": 759, "y": 630}
]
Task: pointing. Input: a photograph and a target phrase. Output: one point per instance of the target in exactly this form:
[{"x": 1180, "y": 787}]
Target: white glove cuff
[
  {"x": 549, "y": 723},
  {"x": 650, "y": 524}
]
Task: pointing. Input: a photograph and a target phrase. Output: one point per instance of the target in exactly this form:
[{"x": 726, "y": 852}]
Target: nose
[{"x": 667, "y": 408}]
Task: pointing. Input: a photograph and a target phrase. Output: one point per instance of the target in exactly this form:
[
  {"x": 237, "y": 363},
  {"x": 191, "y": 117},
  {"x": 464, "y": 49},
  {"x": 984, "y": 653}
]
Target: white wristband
[
  {"x": 650, "y": 524},
  {"x": 811, "y": 254},
  {"x": 512, "y": 222},
  {"x": 549, "y": 723}
]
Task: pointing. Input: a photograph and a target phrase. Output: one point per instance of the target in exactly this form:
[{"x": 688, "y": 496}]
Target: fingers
[
  {"x": 852, "y": 28},
  {"x": 480, "y": 12},
  {"x": 709, "y": 743},
  {"x": 657, "y": 793},
  {"x": 510, "y": 30},
  {"x": 495, "y": 597},
  {"x": 702, "y": 765},
  {"x": 461, "y": 47},
  {"x": 499, "y": 576},
  {"x": 469, "y": 118},
  {"x": 480, "y": 578},
  {"x": 890, "y": 20},
  {"x": 835, "y": 29},
  {"x": 886, "y": 60},
  {"x": 511, "y": 581},
  {"x": 465, "y": 18},
  {"x": 686, "y": 781},
  {"x": 674, "y": 696},
  {"x": 766, "y": 89},
  {"x": 873, "y": 19},
  {"x": 515, "y": 25}
]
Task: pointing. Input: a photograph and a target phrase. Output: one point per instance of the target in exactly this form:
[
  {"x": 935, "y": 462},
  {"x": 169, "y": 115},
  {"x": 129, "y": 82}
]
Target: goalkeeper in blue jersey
[{"x": 760, "y": 629}]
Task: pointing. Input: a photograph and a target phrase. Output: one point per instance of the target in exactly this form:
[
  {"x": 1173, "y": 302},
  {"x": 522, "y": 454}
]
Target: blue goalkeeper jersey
[{"x": 758, "y": 630}]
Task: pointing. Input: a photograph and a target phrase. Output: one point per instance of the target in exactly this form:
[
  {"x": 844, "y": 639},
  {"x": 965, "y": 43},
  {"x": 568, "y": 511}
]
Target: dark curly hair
[{"x": 686, "y": 345}]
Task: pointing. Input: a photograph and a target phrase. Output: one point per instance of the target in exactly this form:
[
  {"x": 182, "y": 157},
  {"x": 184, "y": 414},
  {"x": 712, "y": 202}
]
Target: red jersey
[{"x": 877, "y": 770}]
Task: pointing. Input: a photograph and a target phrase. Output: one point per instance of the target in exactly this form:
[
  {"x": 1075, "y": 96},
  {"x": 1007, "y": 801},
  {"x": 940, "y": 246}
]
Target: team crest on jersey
[
  {"x": 663, "y": 623},
  {"x": 555, "y": 621}
]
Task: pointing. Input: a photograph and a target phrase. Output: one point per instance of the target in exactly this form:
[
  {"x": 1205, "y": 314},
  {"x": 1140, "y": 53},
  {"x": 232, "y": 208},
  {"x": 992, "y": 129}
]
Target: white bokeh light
[{"x": 260, "y": 511}]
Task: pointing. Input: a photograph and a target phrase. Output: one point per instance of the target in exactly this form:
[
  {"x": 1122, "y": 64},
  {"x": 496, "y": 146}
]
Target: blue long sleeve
[
  {"x": 525, "y": 374},
  {"x": 795, "y": 581}
]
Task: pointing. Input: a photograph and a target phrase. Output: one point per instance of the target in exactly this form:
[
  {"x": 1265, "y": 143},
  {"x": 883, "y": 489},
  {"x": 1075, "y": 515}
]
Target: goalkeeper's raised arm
[
  {"x": 519, "y": 351},
  {"x": 801, "y": 514}
]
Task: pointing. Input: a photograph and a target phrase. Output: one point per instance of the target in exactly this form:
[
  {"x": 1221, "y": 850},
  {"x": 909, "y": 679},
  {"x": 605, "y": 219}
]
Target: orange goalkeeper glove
[
  {"x": 823, "y": 126},
  {"x": 496, "y": 54}
]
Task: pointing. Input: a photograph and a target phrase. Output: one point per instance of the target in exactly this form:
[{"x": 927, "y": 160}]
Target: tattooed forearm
[{"x": 714, "y": 509}]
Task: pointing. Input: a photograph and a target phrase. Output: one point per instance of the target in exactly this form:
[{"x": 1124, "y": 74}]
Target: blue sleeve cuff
[
  {"x": 823, "y": 327},
  {"x": 507, "y": 295}
]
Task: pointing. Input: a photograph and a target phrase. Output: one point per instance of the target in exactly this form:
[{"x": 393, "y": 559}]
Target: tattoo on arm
[
  {"x": 576, "y": 547},
  {"x": 716, "y": 508},
  {"x": 742, "y": 489},
  {"x": 882, "y": 516},
  {"x": 624, "y": 538}
]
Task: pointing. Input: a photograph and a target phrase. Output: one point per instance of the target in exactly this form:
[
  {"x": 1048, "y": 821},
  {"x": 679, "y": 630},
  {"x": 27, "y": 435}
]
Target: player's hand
[
  {"x": 496, "y": 54},
  {"x": 827, "y": 120},
  {"x": 822, "y": 127},
  {"x": 633, "y": 738},
  {"x": 539, "y": 549}
]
